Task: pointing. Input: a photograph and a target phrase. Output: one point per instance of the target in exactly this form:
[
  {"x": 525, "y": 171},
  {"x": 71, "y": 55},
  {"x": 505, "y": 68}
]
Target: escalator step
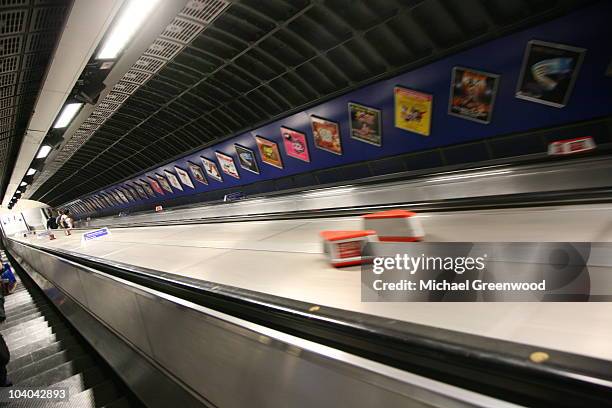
[
  {"x": 12, "y": 321},
  {"x": 42, "y": 343},
  {"x": 120, "y": 403},
  {"x": 29, "y": 326},
  {"x": 55, "y": 333},
  {"x": 44, "y": 364},
  {"x": 29, "y": 358},
  {"x": 83, "y": 381},
  {"x": 59, "y": 373},
  {"x": 26, "y": 313}
]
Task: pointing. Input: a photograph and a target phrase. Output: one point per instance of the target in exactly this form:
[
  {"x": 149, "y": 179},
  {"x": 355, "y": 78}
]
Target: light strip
[
  {"x": 30, "y": 172},
  {"x": 43, "y": 152},
  {"x": 130, "y": 20},
  {"x": 467, "y": 176},
  {"x": 68, "y": 113}
]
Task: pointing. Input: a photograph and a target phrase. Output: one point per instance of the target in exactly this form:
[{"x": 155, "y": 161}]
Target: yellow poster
[{"x": 413, "y": 110}]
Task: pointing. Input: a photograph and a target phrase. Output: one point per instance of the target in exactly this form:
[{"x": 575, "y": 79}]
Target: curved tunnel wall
[{"x": 590, "y": 98}]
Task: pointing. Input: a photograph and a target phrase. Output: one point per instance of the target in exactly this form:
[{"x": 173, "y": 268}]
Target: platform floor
[{"x": 284, "y": 258}]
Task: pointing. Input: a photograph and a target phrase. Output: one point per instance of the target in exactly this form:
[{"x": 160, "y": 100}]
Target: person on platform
[{"x": 66, "y": 221}]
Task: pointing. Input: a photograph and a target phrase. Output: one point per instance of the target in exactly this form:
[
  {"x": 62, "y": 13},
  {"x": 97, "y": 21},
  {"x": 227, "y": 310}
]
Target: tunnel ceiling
[
  {"x": 260, "y": 60},
  {"x": 29, "y": 30}
]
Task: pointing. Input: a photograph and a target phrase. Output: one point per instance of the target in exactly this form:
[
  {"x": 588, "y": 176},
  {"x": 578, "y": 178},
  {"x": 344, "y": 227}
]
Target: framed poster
[
  {"x": 163, "y": 182},
  {"x": 549, "y": 72},
  {"x": 155, "y": 186},
  {"x": 365, "y": 124},
  {"x": 246, "y": 158},
  {"x": 198, "y": 173},
  {"x": 412, "y": 110},
  {"x": 173, "y": 180},
  {"x": 268, "y": 150},
  {"x": 227, "y": 165},
  {"x": 211, "y": 169},
  {"x": 127, "y": 193},
  {"x": 326, "y": 135},
  {"x": 122, "y": 196},
  {"x": 295, "y": 144},
  {"x": 472, "y": 94},
  {"x": 148, "y": 189},
  {"x": 184, "y": 176},
  {"x": 140, "y": 191}
]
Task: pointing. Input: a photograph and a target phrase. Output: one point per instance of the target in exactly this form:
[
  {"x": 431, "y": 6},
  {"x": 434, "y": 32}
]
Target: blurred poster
[
  {"x": 122, "y": 197},
  {"x": 128, "y": 194},
  {"x": 198, "y": 173},
  {"x": 148, "y": 189},
  {"x": 227, "y": 165},
  {"x": 549, "y": 72},
  {"x": 326, "y": 135},
  {"x": 472, "y": 94},
  {"x": 295, "y": 144},
  {"x": 156, "y": 187},
  {"x": 132, "y": 192},
  {"x": 141, "y": 192},
  {"x": 246, "y": 158},
  {"x": 173, "y": 180},
  {"x": 163, "y": 182},
  {"x": 184, "y": 177},
  {"x": 365, "y": 124},
  {"x": 413, "y": 110},
  {"x": 211, "y": 169},
  {"x": 269, "y": 152}
]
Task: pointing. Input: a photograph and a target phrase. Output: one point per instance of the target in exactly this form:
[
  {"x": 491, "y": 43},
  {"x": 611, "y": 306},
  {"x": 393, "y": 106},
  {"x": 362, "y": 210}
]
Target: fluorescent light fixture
[
  {"x": 67, "y": 114},
  {"x": 18, "y": 191},
  {"x": 129, "y": 21},
  {"x": 30, "y": 172},
  {"x": 43, "y": 151},
  {"x": 23, "y": 183}
]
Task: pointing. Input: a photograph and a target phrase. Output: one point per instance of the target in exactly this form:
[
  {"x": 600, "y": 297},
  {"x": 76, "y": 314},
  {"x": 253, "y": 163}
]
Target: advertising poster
[
  {"x": 163, "y": 182},
  {"x": 211, "y": 169},
  {"x": 269, "y": 152},
  {"x": 132, "y": 191},
  {"x": 122, "y": 197},
  {"x": 198, "y": 173},
  {"x": 227, "y": 165},
  {"x": 140, "y": 191},
  {"x": 326, "y": 135},
  {"x": 472, "y": 94},
  {"x": 184, "y": 176},
  {"x": 365, "y": 124},
  {"x": 246, "y": 158},
  {"x": 413, "y": 110},
  {"x": 173, "y": 180},
  {"x": 549, "y": 72},
  {"x": 147, "y": 188},
  {"x": 128, "y": 194},
  {"x": 295, "y": 144}
]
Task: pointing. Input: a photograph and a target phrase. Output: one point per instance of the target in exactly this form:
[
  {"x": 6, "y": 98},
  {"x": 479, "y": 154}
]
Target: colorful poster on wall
[
  {"x": 365, "y": 124},
  {"x": 549, "y": 73},
  {"x": 122, "y": 196},
  {"x": 211, "y": 169},
  {"x": 184, "y": 176},
  {"x": 127, "y": 193},
  {"x": 326, "y": 135},
  {"x": 198, "y": 173},
  {"x": 413, "y": 110},
  {"x": 156, "y": 186},
  {"x": 141, "y": 192},
  {"x": 269, "y": 152},
  {"x": 148, "y": 189},
  {"x": 295, "y": 144},
  {"x": 246, "y": 158},
  {"x": 163, "y": 182},
  {"x": 132, "y": 192},
  {"x": 472, "y": 94},
  {"x": 173, "y": 180},
  {"x": 227, "y": 165}
]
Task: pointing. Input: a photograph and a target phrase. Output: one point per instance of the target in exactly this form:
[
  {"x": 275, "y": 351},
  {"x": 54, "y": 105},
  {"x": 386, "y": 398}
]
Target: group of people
[{"x": 63, "y": 220}]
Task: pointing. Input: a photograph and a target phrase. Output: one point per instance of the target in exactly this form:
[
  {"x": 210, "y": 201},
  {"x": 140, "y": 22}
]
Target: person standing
[{"x": 66, "y": 221}]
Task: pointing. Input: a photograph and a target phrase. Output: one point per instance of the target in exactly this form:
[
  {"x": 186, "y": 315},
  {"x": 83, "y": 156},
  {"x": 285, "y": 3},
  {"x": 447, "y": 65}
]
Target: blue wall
[{"x": 588, "y": 28}]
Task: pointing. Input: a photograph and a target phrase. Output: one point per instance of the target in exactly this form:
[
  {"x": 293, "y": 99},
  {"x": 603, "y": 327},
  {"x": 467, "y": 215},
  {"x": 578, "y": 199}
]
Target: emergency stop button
[{"x": 395, "y": 225}]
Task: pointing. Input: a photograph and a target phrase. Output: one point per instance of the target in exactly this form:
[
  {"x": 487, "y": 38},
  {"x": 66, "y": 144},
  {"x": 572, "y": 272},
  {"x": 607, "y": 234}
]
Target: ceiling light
[
  {"x": 23, "y": 183},
  {"x": 18, "y": 191},
  {"x": 43, "y": 152},
  {"x": 68, "y": 113},
  {"x": 129, "y": 21},
  {"x": 30, "y": 172}
]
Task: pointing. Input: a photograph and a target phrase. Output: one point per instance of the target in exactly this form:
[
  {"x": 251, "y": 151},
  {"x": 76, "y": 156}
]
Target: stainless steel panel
[{"x": 235, "y": 363}]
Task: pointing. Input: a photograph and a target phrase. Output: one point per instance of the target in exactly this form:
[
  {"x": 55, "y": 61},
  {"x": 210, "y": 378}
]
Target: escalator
[{"x": 47, "y": 352}]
